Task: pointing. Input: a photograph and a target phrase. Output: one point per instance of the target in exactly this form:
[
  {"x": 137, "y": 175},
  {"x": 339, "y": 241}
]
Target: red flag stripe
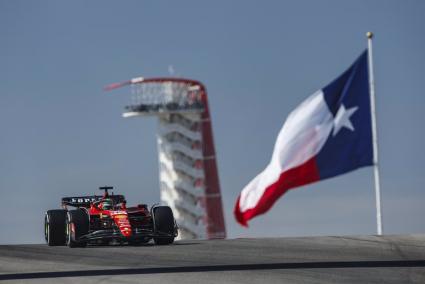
[{"x": 298, "y": 176}]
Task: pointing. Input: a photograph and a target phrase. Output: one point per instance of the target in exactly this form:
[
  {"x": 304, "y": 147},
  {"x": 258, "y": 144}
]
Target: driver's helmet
[{"x": 107, "y": 204}]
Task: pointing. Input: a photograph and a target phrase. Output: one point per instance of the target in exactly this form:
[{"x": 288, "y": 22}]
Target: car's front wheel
[
  {"x": 164, "y": 225},
  {"x": 77, "y": 225}
]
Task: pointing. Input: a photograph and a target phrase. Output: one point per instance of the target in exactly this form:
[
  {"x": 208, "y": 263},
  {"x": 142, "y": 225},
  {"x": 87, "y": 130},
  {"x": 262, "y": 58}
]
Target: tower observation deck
[{"x": 188, "y": 174}]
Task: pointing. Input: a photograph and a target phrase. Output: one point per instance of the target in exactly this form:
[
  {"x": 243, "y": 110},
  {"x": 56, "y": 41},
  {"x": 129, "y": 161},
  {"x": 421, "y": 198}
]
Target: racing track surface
[{"x": 349, "y": 259}]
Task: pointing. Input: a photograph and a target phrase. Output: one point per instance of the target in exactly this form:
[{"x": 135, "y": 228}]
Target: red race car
[{"x": 105, "y": 219}]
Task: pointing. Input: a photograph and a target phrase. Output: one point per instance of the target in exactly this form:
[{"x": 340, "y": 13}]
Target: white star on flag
[{"x": 342, "y": 119}]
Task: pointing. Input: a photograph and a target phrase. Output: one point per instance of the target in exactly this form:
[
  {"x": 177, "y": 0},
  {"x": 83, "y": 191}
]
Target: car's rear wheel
[
  {"x": 54, "y": 227},
  {"x": 77, "y": 225},
  {"x": 164, "y": 225}
]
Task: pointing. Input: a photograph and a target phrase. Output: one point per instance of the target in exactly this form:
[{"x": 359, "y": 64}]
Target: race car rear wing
[{"x": 84, "y": 201}]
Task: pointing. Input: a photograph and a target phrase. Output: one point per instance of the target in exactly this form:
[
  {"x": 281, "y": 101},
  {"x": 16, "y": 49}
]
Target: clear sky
[{"x": 62, "y": 135}]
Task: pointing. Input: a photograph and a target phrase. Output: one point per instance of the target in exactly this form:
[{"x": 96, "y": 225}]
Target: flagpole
[{"x": 374, "y": 135}]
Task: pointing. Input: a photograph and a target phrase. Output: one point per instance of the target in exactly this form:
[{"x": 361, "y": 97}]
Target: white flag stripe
[{"x": 303, "y": 134}]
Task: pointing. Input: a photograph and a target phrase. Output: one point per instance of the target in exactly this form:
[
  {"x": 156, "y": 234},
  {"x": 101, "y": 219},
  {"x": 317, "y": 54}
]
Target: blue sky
[{"x": 62, "y": 135}]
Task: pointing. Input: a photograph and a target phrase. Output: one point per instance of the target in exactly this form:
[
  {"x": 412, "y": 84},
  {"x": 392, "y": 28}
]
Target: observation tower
[{"x": 188, "y": 174}]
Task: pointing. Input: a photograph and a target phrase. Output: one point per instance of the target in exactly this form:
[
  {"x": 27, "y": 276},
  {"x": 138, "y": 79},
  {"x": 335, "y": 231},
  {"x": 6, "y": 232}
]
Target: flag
[{"x": 328, "y": 134}]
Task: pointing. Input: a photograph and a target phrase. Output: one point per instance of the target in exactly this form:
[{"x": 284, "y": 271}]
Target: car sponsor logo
[
  {"x": 83, "y": 200},
  {"x": 121, "y": 216},
  {"x": 117, "y": 213}
]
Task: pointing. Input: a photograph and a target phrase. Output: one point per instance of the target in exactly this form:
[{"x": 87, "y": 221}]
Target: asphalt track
[{"x": 349, "y": 259}]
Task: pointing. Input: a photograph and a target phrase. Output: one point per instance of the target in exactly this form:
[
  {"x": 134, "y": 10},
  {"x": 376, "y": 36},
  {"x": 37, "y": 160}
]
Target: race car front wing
[{"x": 115, "y": 234}]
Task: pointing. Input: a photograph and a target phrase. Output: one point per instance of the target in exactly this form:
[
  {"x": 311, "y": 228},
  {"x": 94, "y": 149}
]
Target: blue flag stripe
[{"x": 348, "y": 149}]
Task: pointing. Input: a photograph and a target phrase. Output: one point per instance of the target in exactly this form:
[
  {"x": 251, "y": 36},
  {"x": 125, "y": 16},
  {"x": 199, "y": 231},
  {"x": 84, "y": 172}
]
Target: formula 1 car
[{"x": 105, "y": 219}]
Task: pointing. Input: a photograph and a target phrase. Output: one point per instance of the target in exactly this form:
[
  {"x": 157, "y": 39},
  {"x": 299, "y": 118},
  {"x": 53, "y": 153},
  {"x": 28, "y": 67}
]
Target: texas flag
[{"x": 327, "y": 135}]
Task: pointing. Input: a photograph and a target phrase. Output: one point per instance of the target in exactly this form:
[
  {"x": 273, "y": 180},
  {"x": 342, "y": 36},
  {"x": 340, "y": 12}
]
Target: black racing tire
[
  {"x": 164, "y": 224},
  {"x": 54, "y": 227},
  {"x": 77, "y": 225}
]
